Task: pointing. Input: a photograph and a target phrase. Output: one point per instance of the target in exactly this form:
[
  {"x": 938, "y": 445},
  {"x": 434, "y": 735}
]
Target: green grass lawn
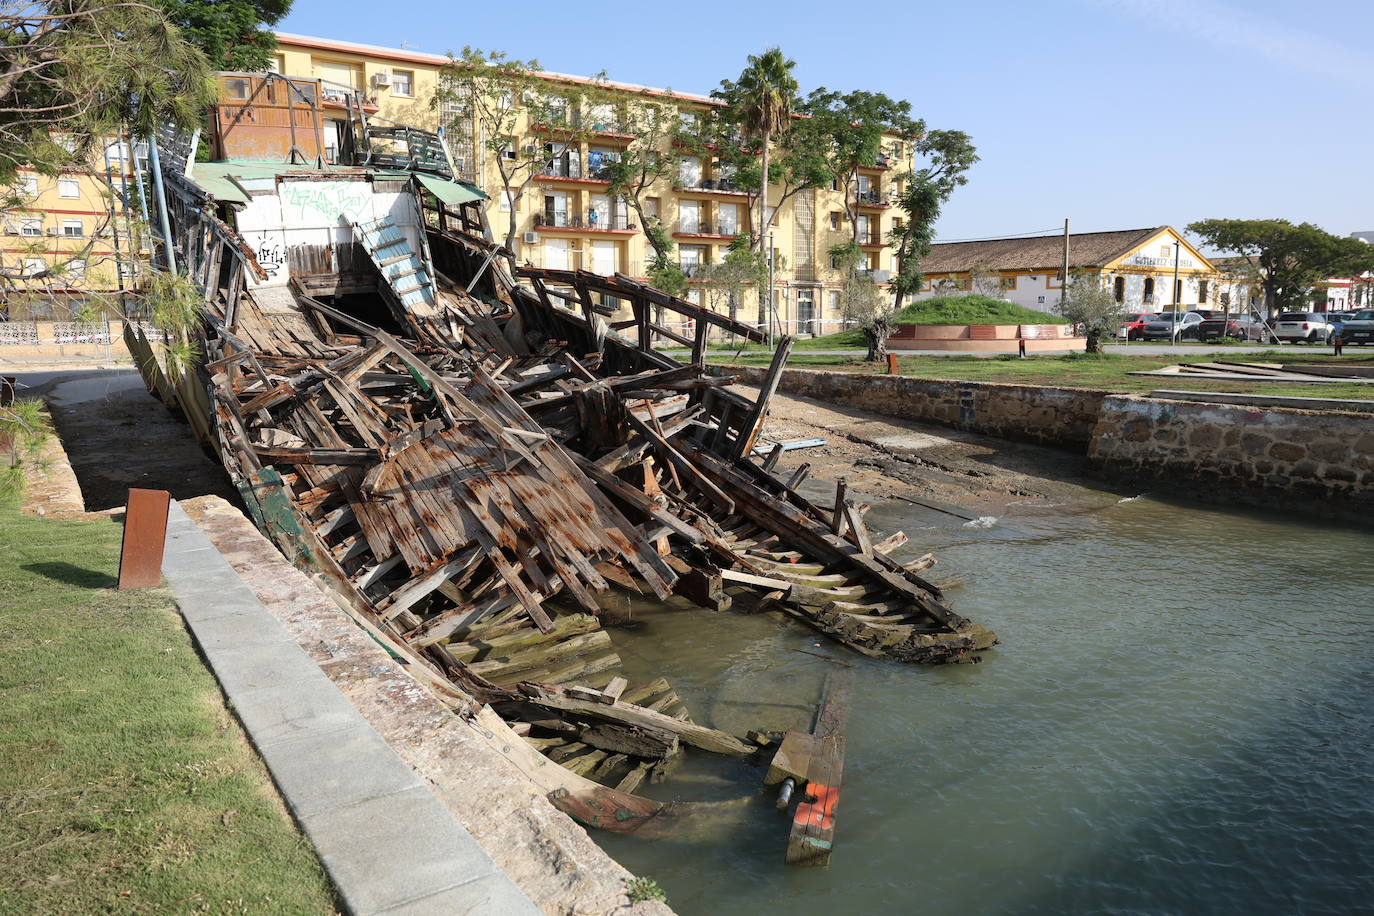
[
  {"x": 125, "y": 784},
  {"x": 1109, "y": 371}
]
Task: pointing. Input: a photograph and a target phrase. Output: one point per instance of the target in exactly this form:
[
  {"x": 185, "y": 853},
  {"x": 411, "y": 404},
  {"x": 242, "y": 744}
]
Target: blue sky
[{"x": 1113, "y": 113}]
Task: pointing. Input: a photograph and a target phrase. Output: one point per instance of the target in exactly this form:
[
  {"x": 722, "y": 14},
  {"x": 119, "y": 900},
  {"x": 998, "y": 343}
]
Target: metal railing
[{"x": 692, "y": 269}]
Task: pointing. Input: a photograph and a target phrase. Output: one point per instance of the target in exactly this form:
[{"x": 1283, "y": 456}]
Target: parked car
[
  {"x": 1359, "y": 328},
  {"x": 1133, "y": 325},
  {"x": 1336, "y": 320},
  {"x": 1307, "y": 327},
  {"x": 1242, "y": 327},
  {"x": 1168, "y": 325}
]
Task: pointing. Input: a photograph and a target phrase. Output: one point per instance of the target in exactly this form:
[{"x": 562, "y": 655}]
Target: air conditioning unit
[
  {"x": 53, "y": 230},
  {"x": 531, "y": 149},
  {"x": 381, "y": 79},
  {"x": 531, "y": 238}
]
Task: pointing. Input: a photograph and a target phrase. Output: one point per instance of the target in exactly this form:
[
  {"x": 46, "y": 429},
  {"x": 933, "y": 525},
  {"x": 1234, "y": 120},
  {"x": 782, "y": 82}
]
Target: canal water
[{"x": 1179, "y": 719}]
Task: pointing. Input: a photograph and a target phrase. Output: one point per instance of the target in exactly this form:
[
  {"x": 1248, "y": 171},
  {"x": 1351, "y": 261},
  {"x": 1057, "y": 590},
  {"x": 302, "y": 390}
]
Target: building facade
[
  {"x": 70, "y": 244},
  {"x": 565, "y": 218},
  {"x": 1139, "y": 266}
]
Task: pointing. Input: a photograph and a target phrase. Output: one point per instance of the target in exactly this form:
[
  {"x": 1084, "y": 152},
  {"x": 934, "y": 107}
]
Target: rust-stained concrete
[{"x": 547, "y": 855}]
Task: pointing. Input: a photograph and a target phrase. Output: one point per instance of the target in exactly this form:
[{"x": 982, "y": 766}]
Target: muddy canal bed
[{"x": 1180, "y": 719}]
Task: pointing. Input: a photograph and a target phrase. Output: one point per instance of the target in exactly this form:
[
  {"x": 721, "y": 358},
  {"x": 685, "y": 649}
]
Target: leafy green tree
[
  {"x": 855, "y": 125},
  {"x": 230, "y": 32},
  {"x": 75, "y": 73},
  {"x": 861, "y": 301},
  {"x": 1092, "y": 306},
  {"x": 947, "y": 155},
  {"x": 528, "y": 121},
  {"x": 726, "y": 281},
  {"x": 643, "y": 164},
  {"x": 761, "y": 101},
  {"x": 1288, "y": 259}
]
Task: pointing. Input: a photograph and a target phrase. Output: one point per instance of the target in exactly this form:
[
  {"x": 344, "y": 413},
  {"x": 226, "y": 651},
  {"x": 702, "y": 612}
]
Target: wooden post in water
[
  {"x": 145, "y": 535},
  {"x": 813, "y": 824}
]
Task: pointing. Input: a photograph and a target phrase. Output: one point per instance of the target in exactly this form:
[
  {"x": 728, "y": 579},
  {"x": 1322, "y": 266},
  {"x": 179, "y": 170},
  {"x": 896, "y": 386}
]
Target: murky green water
[{"x": 1180, "y": 719}]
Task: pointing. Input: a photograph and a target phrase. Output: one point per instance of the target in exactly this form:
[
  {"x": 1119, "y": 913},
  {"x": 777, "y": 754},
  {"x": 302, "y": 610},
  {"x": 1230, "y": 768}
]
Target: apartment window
[
  {"x": 689, "y": 216},
  {"x": 236, "y": 88},
  {"x": 1149, "y": 290},
  {"x": 1008, "y": 283},
  {"x": 278, "y": 64},
  {"x": 728, "y": 217},
  {"x": 340, "y": 73},
  {"x": 31, "y": 226},
  {"x": 403, "y": 83},
  {"x": 76, "y": 269},
  {"x": 687, "y": 120},
  {"x": 651, "y": 207},
  {"x": 505, "y": 200},
  {"x": 834, "y": 184},
  {"x": 1165, "y": 251},
  {"x": 834, "y": 220},
  {"x": 28, "y": 187},
  {"x": 602, "y": 117},
  {"x": 834, "y": 301},
  {"x": 508, "y": 151},
  {"x": 34, "y": 266},
  {"x": 1119, "y": 289},
  {"x": 67, "y": 188},
  {"x": 72, "y": 228},
  {"x": 689, "y": 172},
  {"x": 1202, "y": 291}
]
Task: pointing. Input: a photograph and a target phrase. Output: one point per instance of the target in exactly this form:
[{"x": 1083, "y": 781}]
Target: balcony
[
  {"x": 693, "y": 270},
  {"x": 874, "y": 274},
  {"x": 618, "y": 222},
  {"x": 704, "y": 227},
  {"x": 872, "y": 199},
  {"x": 715, "y": 185},
  {"x": 871, "y": 240}
]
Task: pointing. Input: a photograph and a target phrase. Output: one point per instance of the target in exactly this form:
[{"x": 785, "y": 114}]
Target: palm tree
[{"x": 765, "y": 94}]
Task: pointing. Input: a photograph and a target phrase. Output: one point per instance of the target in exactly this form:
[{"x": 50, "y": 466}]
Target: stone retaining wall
[
  {"x": 1260, "y": 455},
  {"x": 1049, "y": 416},
  {"x": 1319, "y": 460}
]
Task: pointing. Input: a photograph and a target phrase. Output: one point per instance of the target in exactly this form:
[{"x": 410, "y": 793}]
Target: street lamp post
[{"x": 1177, "y": 320}]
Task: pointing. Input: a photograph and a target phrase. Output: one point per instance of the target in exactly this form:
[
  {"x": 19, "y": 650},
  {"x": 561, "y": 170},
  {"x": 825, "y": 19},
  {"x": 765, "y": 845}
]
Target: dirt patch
[{"x": 898, "y": 458}]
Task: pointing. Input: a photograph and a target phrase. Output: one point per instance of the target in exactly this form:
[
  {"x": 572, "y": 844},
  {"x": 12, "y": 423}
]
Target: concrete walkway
[{"x": 388, "y": 843}]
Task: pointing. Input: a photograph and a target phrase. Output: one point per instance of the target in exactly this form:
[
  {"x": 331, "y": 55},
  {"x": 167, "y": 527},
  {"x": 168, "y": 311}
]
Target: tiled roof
[{"x": 1086, "y": 249}]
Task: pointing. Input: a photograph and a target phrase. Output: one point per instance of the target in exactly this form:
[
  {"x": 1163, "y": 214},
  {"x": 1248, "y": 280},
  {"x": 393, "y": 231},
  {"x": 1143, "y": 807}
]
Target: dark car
[
  {"x": 1359, "y": 328},
  {"x": 1168, "y": 325},
  {"x": 1133, "y": 325},
  {"x": 1241, "y": 327}
]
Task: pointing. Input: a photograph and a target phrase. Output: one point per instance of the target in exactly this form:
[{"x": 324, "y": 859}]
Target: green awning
[{"x": 453, "y": 193}]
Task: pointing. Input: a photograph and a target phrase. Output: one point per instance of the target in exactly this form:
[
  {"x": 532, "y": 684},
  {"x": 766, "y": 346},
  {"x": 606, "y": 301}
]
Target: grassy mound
[{"x": 973, "y": 309}]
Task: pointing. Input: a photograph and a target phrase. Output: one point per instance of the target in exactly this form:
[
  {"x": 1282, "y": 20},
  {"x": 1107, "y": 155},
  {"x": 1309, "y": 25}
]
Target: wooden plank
[
  {"x": 753, "y": 424},
  {"x": 812, "y": 836},
  {"x": 699, "y": 736}
]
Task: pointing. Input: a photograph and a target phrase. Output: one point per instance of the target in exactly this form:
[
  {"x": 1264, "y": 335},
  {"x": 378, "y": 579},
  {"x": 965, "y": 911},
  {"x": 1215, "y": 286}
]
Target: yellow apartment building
[
  {"x": 67, "y": 239},
  {"x": 566, "y": 219}
]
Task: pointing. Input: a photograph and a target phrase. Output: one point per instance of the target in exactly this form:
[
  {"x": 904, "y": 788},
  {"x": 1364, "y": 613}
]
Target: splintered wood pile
[{"x": 474, "y": 482}]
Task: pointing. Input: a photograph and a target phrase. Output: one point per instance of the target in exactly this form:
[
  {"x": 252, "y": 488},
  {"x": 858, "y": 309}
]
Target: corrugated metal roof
[{"x": 453, "y": 193}]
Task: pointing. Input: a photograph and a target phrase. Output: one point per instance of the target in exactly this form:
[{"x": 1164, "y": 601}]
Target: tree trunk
[
  {"x": 763, "y": 193},
  {"x": 877, "y": 345}
]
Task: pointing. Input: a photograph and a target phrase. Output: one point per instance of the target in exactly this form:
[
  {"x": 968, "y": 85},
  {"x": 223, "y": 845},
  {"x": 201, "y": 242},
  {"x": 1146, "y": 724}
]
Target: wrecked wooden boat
[{"x": 472, "y": 454}]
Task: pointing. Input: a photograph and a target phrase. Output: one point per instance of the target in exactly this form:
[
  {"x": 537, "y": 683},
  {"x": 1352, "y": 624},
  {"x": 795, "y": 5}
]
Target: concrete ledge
[
  {"x": 551, "y": 859},
  {"x": 1267, "y": 400},
  {"x": 387, "y": 842}
]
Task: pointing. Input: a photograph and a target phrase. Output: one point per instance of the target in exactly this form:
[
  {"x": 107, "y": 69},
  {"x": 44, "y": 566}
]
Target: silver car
[{"x": 1183, "y": 325}]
